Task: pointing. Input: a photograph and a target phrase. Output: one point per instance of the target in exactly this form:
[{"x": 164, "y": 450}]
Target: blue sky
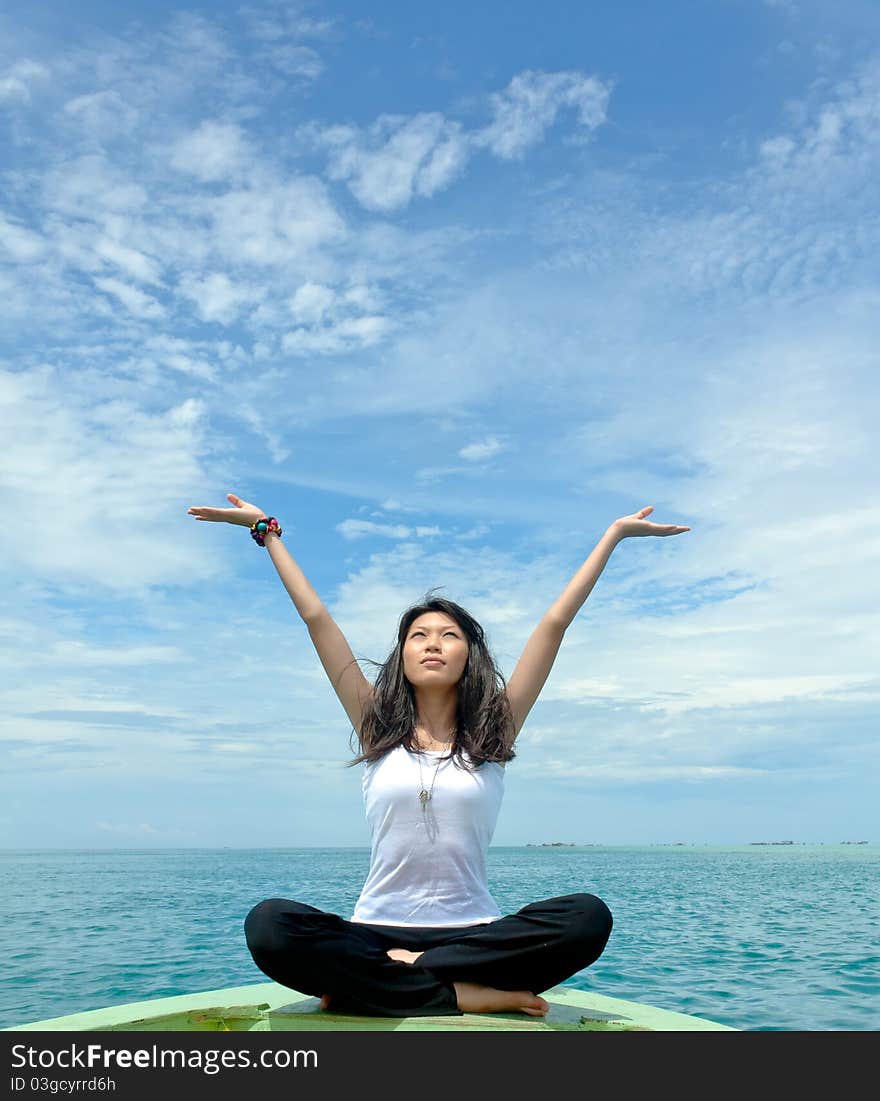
[{"x": 447, "y": 292}]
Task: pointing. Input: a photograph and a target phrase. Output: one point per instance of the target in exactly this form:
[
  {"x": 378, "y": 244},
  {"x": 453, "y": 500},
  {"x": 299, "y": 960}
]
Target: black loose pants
[{"x": 318, "y": 953}]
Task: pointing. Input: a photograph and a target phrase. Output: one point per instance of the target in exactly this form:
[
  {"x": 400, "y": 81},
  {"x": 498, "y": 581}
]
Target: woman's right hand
[{"x": 242, "y": 513}]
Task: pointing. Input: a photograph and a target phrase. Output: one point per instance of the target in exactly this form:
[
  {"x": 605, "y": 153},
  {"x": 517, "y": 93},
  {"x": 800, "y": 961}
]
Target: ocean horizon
[{"x": 763, "y": 936}]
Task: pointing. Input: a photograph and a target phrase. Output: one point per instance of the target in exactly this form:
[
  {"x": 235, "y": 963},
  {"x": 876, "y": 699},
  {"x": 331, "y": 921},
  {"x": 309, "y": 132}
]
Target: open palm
[
  {"x": 636, "y": 524},
  {"x": 242, "y": 512}
]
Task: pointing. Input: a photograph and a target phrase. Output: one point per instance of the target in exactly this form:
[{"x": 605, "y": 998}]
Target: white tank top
[{"x": 428, "y": 865}]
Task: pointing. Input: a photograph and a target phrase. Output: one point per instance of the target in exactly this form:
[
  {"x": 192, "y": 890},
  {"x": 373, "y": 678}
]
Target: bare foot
[
  {"x": 474, "y": 998},
  {"x": 403, "y": 955},
  {"x": 325, "y": 1002}
]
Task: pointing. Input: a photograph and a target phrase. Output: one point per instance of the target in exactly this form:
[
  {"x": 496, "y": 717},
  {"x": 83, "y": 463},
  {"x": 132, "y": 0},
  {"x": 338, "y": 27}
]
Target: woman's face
[{"x": 435, "y": 651}]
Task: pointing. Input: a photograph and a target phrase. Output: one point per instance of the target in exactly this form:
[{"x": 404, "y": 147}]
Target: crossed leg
[
  {"x": 404, "y": 971},
  {"x": 474, "y": 997}
]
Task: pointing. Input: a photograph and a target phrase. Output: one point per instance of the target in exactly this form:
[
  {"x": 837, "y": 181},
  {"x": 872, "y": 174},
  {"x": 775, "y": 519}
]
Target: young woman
[{"x": 434, "y": 732}]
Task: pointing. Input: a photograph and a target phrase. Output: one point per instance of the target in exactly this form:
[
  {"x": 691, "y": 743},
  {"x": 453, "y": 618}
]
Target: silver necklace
[{"x": 426, "y": 793}]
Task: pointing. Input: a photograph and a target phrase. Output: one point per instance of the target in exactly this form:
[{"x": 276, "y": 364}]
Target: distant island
[
  {"x": 803, "y": 842},
  {"x": 550, "y": 845}
]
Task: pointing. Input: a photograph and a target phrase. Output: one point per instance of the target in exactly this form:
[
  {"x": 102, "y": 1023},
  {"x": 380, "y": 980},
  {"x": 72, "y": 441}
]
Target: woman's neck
[
  {"x": 435, "y": 726},
  {"x": 425, "y": 739}
]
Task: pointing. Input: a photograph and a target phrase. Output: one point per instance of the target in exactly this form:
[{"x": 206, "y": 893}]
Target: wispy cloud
[
  {"x": 399, "y": 158},
  {"x": 396, "y": 159},
  {"x": 356, "y": 529},
  {"x": 102, "y": 115},
  {"x": 330, "y": 320},
  {"x": 281, "y": 20},
  {"x": 134, "y": 300},
  {"x": 483, "y": 449},
  {"x": 89, "y": 462},
  {"x": 530, "y": 104},
  {"x": 19, "y": 79},
  {"x": 213, "y": 151}
]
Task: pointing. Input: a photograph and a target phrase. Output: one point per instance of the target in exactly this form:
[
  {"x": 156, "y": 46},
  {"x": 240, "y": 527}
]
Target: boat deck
[{"x": 268, "y": 1007}]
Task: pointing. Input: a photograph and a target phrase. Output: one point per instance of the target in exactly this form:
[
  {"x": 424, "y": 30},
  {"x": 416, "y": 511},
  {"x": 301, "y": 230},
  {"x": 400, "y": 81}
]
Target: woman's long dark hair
[{"x": 484, "y": 724}]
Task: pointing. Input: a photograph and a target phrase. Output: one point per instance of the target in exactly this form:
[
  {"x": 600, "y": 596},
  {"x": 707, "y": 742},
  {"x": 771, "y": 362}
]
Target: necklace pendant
[{"x": 424, "y": 796}]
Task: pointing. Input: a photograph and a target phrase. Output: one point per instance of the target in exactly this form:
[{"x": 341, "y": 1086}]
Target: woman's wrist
[{"x": 265, "y": 525}]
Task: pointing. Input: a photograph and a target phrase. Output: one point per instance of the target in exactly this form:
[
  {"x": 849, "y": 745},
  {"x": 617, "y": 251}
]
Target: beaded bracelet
[{"x": 261, "y": 528}]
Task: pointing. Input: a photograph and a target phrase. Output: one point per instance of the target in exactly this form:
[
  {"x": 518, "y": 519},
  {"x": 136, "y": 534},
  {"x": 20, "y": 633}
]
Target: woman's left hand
[{"x": 638, "y": 525}]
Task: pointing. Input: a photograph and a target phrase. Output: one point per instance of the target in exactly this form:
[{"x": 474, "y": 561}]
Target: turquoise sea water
[{"x": 762, "y": 938}]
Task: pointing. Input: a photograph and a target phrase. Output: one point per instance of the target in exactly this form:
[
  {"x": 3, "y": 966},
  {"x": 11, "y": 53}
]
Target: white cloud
[
  {"x": 187, "y": 365},
  {"x": 76, "y": 652},
  {"x": 330, "y": 321},
  {"x": 91, "y": 185},
  {"x": 103, "y": 114},
  {"x": 22, "y": 244},
  {"x": 342, "y": 336},
  {"x": 196, "y": 358},
  {"x": 431, "y": 474},
  {"x": 841, "y": 134},
  {"x": 399, "y": 157},
  {"x": 134, "y": 263},
  {"x": 274, "y": 224},
  {"x": 296, "y": 61},
  {"x": 135, "y": 301},
  {"x": 280, "y": 31},
  {"x": 214, "y": 151},
  {"x": 396, "y": 158},
  {"x": 356, "y": 529},
  {"x": 796, "y": 223},
  {"x": 484, "y": 449},
  {"x": 267, "y": 431},
  {"x": 88, "y": 464},
  {"x": 18, "y": 80},
  {"x": 311, "y": 302},
  {"x": 273, "y": 22},
  {"x": 360, "y": 296},
  {"x": 528, "y": 106},
  {"x": 778, "y": 148},
  {"x": 217, "y": 297}
]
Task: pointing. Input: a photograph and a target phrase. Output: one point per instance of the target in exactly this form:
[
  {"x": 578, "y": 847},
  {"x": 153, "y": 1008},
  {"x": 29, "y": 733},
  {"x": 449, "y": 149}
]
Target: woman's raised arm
[
  {"x": 340, "y": 664},
  {"x": 533, "y": 667}
]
